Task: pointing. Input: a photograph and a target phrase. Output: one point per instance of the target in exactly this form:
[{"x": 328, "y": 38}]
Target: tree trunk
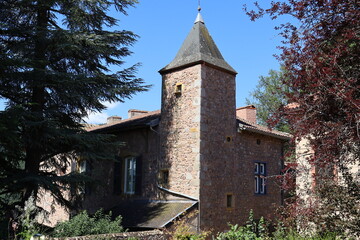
[{"x": 35, "y": 131}]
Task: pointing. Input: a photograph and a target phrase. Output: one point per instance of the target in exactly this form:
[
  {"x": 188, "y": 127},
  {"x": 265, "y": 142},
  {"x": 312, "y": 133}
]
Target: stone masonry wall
[
  {"x": 217, "y": 154},
  {"x": 238, "y": 179},
  {"x": 251, "y": 148},
  {"x": 180, "y": 129},
  {"x": 228, "y": 158},
  {"x": 57, "y": 213},
  {"x": 140, "y": 142}
]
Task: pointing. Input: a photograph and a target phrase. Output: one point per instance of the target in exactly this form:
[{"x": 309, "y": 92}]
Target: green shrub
[
  {"x": 28, "y": 219},
  {"x": 246, "y": 233},
  {"x": 82, "y": 224},
  {"x": 183, "y": 231},
  {"x": 293, "y": 235},
  {"x": 237, "y": 233},
  {"x": 251, "y": 231}
]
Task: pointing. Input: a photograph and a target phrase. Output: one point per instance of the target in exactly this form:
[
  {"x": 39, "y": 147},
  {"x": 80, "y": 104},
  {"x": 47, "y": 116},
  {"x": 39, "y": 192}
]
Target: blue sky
[{"x": 164, "y": 24}]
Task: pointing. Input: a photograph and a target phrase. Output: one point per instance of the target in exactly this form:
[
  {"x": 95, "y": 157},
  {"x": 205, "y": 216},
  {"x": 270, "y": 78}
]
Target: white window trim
[
  {"x": 82, "y": 166},
  {"x": 260, "y": 178}
]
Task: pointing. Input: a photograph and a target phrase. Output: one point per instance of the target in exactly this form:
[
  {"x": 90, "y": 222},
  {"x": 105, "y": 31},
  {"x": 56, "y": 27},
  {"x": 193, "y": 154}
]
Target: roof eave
[
  {"x": 176, "y": 68},
  {"x": 242, "y": 127},
  {"x": 152, "y": 121}
]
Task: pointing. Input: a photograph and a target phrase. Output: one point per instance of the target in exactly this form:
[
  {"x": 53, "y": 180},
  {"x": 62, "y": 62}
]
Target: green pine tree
[{"x": 56, "y": 60}]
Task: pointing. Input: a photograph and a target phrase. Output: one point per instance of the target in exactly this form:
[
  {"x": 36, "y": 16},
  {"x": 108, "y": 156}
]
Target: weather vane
[{"x": 199, "y": 6}]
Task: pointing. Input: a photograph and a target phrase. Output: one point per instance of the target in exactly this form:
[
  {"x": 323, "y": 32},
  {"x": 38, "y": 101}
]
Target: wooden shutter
[
  {"x": 138, "y": 176},
  {"x": 118, "y": 174}
]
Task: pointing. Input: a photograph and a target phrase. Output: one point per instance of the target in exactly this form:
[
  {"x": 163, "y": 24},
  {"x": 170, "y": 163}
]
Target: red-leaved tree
[{"x": 321, "y": 56}]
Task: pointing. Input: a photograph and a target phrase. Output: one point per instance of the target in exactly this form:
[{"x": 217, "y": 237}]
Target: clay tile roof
[
  {"x": 153, "y": 118},
  {"x": 247, "y": 107},
  {"x": 145, "y": 119},
  {"x": 198, "y": 47},
  {"x": 253, "y": 127}
]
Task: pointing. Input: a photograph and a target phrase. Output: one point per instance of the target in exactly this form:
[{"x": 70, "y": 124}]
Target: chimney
[
  {"x": 113, "y": 119},
  {"x": 134, "y": 112},
  {"x": 248, "y": 113}
]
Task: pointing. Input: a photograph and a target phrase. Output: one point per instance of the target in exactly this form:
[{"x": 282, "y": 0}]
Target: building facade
[{"x": 197, "y": 153}]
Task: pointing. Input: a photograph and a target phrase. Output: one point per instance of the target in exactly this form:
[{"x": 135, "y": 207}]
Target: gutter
[{"x": 177, "y": 193}]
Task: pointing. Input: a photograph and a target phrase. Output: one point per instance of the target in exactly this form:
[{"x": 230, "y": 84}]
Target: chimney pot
[
  {"x": 248, "y": 113},
  {"x": 135, "y": 112},
  {"x": 113, "y": 119}
]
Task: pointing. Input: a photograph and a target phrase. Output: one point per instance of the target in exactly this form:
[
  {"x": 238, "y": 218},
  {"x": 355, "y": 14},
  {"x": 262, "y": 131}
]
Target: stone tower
[{"x": 198, "y": 122}]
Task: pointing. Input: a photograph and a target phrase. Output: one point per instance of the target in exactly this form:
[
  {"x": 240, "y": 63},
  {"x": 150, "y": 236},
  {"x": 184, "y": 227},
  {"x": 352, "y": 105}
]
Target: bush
[
  {"x": 183, "y": 231},
  {"x": 28, "y": 219},
  {"x": 237, "y": 233},
  {"x": 293, "y": 235},
  {"x": 251, "y": 231},
  {"x": 246, "y": 233},
  {"x": 82, "y": 224}
]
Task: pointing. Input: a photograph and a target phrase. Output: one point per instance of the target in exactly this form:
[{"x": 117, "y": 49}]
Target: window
[
  {"x": 127, "y": 175},
  {"x": 229, "y": 139},
  {"x": 130, "y": 175},
  {"x": 178, "y": 89},
  {"x": 164, "y": 177},
  {"x": 82, "y": 166},
  {"x": 260, "y": 176},
  {"x": 229, "y": 200}
]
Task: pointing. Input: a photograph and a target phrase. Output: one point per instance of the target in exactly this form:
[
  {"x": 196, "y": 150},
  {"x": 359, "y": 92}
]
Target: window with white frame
[
  {"x": 130, "y": 175},
  {"x": 82, "y": 166},
  {"x": 260, "y": 176}
]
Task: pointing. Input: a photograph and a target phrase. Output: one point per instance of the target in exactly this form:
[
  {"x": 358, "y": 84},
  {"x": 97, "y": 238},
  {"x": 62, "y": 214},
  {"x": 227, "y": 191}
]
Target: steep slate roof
[{"x": 198, "y": 47}]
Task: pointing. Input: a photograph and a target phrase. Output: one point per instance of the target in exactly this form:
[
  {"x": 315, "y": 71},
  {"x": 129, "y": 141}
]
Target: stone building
[{"x": 198, "y": 153}]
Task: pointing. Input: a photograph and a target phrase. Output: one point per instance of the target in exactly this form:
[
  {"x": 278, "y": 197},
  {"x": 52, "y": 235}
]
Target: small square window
[
  {"x": 179, "y": 88},
  {"x": 164, "y": 176},
  {"x": 228, "y": 139},
  {"x": 229, "y": 200}
]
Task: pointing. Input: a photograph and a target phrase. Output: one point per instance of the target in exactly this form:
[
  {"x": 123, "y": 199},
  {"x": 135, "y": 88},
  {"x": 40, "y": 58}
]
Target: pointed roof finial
[{"x": 199, "y": 17}]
